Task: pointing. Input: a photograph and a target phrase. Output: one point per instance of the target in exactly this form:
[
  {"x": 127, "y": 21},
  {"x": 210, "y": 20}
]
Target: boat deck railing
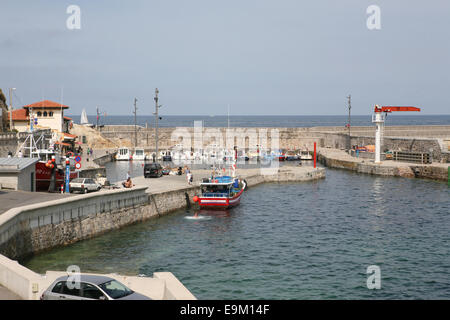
[{"x": 215, "y": 195}]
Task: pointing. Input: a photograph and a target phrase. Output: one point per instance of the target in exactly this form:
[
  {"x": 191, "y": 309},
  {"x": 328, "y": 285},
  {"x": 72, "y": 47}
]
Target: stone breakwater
[
  {"x": 34, "y": 228},
  {"x": 341, "y": 160},
  {"x": 434, "y": 139}
]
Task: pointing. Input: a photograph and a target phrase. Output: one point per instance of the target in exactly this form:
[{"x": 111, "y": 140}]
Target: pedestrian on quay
[{"x": 128, "y": 183}]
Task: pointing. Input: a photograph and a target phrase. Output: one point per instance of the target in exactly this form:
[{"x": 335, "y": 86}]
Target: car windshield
[
  {"x": 115, "y": 289},
  {"x": 78, "y": 180}
]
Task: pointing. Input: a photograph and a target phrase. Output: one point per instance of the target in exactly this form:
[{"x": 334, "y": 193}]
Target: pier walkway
[
  {"x": 173, "y": 183},
  {"x": 12, "y": 199}
]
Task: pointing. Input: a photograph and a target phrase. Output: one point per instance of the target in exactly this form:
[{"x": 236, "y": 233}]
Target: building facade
[{"x": 48, "y": 115}]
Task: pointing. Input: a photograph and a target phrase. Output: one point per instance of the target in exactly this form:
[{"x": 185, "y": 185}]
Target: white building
[{"x": 49, "y": 115}]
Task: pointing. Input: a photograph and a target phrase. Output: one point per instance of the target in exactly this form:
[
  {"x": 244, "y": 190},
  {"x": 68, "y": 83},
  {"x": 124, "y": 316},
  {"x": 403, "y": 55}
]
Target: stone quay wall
[
  {"x": 408, "y": 171},
  {"x": 405, "y": 138},
  {"x": 34, "y": 228}
]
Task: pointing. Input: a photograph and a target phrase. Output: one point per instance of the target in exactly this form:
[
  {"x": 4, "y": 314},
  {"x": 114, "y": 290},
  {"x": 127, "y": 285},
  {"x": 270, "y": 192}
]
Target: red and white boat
[
  {"x": 220, "y": 192},
  {"x": 44, "y": 173},
  {"x": 43, "y": 170}
]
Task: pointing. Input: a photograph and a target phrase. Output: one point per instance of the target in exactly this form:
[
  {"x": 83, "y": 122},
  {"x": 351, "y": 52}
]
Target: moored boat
[
  {"x": 220, "y": 192},
  {"x": 123, "y": 154}
]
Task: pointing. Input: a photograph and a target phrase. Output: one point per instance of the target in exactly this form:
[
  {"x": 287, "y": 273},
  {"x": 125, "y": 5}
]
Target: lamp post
[
  {"x": 10, "y": 108},
  {"x": 156, "y": 122}
]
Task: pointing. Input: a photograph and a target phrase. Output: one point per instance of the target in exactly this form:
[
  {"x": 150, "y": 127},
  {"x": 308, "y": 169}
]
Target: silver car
[
  {"x": 84, "y": 185},
  {"x": 90, "y": 288}
]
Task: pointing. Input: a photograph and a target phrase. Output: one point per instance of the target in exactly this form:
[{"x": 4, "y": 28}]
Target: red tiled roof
[
  {"x": 19, "y": 115},
  {"x": 46, "y": 104},
  {"x": 67, "y": 118},
  {"x": 70, "y": 135}
]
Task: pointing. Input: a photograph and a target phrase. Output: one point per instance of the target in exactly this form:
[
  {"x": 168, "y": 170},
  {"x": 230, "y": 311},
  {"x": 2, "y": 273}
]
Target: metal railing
[{"x": 408, "y": 156}]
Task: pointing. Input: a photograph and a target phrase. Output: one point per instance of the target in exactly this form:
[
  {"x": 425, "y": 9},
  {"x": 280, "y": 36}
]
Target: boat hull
[
  {"x": 43, "y": 176},
  {"x": 220, "y": 202}
]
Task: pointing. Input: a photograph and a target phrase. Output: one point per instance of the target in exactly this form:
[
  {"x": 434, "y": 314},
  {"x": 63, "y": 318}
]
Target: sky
[{"x": 284, "y": 57}]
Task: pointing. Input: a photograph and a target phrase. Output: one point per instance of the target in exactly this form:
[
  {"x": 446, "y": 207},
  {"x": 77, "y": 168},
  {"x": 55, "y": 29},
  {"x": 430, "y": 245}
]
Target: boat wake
[{"x": 198, "y": 218}]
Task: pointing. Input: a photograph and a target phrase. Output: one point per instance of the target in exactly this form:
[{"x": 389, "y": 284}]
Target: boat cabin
[{"x": 219, "y": 187}]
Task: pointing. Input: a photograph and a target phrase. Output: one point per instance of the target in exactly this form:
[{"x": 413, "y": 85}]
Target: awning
[
  {"x": 63, "y": 144},
  {"x": 68, "y": 136}
]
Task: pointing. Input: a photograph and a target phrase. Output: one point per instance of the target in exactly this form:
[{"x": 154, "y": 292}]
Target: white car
[
  {"x": 90, "y": 287},
  {"x": 84, "y": 185}
]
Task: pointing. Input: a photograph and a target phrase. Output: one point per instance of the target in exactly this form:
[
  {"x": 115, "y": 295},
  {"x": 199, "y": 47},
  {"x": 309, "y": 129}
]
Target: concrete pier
[{"x": 335, "y": 158}]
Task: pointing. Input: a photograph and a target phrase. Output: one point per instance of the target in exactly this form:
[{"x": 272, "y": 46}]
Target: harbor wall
[
  {"x": 8, "y": 143},
  {"x": 30, "y": 229},
  {"x": 408, "y": 171},
  {"x": 34, "y": 228},
  {"x": 29, "y": 285},
  {"x": 101, "y": 161},
  {"x": 92, "y": 173},
  {"x": 405, "y": 138}
]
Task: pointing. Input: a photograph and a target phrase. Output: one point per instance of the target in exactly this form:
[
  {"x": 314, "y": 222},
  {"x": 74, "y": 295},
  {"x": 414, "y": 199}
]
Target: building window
[
  {"x": 45, "y": 113},
  {"x": 50, "y": 114},
  {"x": 39, "y": 114}
]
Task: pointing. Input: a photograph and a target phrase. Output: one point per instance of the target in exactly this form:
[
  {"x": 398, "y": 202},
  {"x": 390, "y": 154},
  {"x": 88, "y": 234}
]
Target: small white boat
[
  {"x": 84, "y": 119},
  {"x": 139, "y": 154},
  {"x": 305, "y": 155},
  {"x": 123, "y": 154}
]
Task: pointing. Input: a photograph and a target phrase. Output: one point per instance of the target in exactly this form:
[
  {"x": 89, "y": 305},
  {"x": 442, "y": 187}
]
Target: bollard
[{"x": 62, "y": 189}]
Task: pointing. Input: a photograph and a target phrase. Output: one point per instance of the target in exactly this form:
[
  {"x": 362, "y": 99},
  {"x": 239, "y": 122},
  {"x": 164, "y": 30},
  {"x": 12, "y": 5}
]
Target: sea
[{"x": 294, "y": 121}]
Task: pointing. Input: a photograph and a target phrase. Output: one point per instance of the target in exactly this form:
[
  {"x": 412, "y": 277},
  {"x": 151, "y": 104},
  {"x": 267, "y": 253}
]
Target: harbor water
[{"x": 310, "y": 240}]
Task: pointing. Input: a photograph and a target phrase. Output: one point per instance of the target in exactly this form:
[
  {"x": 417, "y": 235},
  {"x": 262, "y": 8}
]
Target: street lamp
[{"x": 10, "y": 108}]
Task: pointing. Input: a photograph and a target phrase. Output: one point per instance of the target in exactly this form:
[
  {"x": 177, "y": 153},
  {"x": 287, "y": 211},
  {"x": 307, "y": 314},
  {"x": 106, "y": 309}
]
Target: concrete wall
[
  {"x": 29, "y": 285},
  {"x": 105, "y": 159},
  {"x": 8, "y": 180},
  {"x": 411, "y": 171},
  {"x": 92, "y": 173},
  {"x": 8, "y": 142},
  {"x": 24, "y": 179},
  {"x": 410, "y": 138},
  {"x": 33, "y": 228}
]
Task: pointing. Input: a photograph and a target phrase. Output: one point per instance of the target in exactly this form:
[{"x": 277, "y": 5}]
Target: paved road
[
  {"x": 5, "y": 294},
  {"x": 12, "y": 199}
]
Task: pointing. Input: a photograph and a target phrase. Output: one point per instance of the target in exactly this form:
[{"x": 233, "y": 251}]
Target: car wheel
[{"x": 85, "y": 190}]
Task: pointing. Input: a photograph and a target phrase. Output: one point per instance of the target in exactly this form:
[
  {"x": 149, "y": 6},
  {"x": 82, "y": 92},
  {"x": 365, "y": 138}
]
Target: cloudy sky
[{"x": 284, "y": 57}]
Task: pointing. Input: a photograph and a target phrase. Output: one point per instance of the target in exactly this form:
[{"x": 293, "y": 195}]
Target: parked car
[
  {"x": 153, "y": 170},
  {"x": 90, "y": 287},
  {"x": 84, "y": 185}
]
